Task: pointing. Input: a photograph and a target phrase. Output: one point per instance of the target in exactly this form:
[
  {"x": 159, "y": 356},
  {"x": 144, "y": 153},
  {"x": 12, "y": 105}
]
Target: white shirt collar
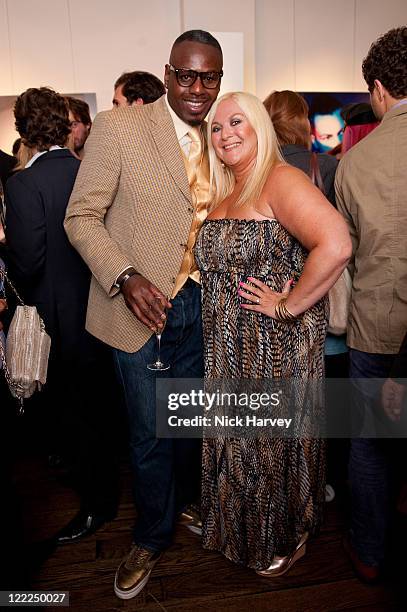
[
  {"x": 399, "y": 103},
  {"x": 39, "y": 153}
]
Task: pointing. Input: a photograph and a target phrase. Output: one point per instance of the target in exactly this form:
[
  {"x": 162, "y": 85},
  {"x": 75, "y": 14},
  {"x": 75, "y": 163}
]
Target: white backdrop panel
[
  {"x": 114, "y": 37},
  {"x": 274, "y": 46},
  {"x": 226, "y": 16},
  {"x": 324, "y": 41},
  {"x": 40, "y": 44}
]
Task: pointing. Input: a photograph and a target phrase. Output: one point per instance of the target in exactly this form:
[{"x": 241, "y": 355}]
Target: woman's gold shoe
[{"x": 281, "y": 565}]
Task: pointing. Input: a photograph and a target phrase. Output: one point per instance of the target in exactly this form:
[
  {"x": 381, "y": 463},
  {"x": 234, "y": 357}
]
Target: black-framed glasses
[{"x": 186, "y": 77}]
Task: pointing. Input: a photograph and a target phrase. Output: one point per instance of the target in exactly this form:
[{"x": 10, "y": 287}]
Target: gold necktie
[
  {"x": 197, "y": 167},
  {"x": 195, "y": 151}
]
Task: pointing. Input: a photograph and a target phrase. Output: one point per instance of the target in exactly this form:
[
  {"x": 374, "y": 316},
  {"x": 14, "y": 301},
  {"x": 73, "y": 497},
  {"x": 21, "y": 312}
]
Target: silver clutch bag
[{"x": 26, "y": 357}]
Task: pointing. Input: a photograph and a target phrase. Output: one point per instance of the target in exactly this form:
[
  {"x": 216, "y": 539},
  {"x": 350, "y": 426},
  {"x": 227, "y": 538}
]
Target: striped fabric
[{"x": 261, "y": 494}]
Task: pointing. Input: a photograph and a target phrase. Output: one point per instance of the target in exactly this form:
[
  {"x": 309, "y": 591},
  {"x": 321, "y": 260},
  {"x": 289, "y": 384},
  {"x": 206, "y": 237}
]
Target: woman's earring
[{"x": 223, "y": 165}]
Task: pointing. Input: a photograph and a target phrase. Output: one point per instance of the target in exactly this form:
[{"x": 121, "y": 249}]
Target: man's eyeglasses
[{"x": 186, "y": 78}]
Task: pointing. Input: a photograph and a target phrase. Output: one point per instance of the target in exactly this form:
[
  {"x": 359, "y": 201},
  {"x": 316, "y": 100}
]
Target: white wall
[
  {"x": 226, "y": 16},
  {"x": 318, "y": 45},
  {"x": 84, "y": 45}
]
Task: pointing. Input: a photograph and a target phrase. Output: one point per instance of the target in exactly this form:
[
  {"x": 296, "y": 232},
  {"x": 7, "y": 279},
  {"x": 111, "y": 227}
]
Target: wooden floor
[{"x": 187, "y": 579}]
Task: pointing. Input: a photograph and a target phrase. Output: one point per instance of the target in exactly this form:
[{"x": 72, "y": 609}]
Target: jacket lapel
[{"x": 163, "y": 132}]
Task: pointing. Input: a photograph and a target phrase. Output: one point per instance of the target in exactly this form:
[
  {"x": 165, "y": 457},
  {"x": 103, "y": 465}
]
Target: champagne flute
[{"x": 159, "y": 365}]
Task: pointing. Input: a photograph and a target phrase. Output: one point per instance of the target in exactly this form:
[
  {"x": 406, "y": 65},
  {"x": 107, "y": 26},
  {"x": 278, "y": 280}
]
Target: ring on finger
[{"x": 258, "y": 301}]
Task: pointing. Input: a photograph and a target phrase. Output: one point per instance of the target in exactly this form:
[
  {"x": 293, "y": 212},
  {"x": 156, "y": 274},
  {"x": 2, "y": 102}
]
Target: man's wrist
[{"x": 124, "y": 276}]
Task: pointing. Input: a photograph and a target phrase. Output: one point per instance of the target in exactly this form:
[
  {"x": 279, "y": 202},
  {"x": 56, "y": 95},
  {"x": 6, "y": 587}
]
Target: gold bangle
[
  {"x": 291, "y": 315},
  {"x": 282, "y": 313}
]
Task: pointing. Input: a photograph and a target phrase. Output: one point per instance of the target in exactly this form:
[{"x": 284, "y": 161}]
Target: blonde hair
[
  {"x": 289, "y": 114},
  {"x": 222, "y": 180},
  {"x": 25, "y": 153}
]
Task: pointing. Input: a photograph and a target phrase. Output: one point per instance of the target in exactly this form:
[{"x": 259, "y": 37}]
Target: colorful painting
[{"x": 326, "y": 120}]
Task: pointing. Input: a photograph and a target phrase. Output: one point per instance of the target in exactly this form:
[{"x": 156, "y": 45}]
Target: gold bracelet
[{"x": 282, "y": 313}]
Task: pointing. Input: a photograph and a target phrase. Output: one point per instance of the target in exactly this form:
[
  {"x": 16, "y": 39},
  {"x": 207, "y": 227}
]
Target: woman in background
[{"x": 289, "y": 114}]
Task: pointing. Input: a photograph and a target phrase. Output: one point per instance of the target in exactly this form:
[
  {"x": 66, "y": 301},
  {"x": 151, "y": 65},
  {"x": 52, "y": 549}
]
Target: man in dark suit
[{"x": 52, "y": 276}]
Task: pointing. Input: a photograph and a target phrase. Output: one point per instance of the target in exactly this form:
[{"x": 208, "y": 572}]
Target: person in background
[
  {"x": 371, "y": 192},
  {"x": 136, "y": 88},
  {"x": 73, "y": 408},
  {"x": 360, "y": 120},
  {"x": 81, "y": 124},
  {"x": 289, "y": 114}
]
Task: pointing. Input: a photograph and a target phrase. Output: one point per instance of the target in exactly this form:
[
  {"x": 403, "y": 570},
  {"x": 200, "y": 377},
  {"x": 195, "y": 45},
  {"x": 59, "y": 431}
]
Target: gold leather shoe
[
  {"x": 191, "y": 518},
  {"x": 134, "y": 571},
  {"x": 281, "y": 565}
]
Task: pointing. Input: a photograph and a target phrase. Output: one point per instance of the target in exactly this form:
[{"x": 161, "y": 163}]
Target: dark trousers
[
  {"x": 97, "y": 420},
  {"x": 369, "y": 460},
  {"x": 166, "y": 472},
  {"x": 78, "y": 416}
]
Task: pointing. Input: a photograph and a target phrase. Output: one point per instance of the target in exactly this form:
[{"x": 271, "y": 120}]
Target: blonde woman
[{"x": 262, "y": 498}]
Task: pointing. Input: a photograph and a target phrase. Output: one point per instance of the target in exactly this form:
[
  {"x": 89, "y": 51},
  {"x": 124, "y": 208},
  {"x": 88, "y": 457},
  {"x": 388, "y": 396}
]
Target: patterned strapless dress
[{"x": 259, "y": 495}]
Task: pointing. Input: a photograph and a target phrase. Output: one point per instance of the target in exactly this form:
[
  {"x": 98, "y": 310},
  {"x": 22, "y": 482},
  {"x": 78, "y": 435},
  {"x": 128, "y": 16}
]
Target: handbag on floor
[
  {"x": 25, "y": 360},
  {"x": 340, "y": 293}
]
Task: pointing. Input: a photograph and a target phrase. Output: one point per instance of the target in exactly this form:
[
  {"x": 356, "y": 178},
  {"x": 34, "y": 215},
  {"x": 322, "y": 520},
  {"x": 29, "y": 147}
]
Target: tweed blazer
[
  {"x": 131, "y": 205},
  {"x": 371, "y": 192}
]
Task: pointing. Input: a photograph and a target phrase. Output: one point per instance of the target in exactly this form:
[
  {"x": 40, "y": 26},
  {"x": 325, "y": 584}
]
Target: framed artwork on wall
[{"x": 325, "y": 117}]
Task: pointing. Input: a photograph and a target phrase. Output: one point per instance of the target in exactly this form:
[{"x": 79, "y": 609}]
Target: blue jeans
[
  {"x": 369, "y": 463},
  {"x": 166, "y": 473}
]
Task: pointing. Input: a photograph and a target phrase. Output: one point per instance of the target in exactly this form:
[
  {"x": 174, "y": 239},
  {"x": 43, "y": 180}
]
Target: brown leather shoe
[
  {"x": 134, "y": 571},
  {"x": 369, "y": 574},
  {"x": 191, "y": 518}
]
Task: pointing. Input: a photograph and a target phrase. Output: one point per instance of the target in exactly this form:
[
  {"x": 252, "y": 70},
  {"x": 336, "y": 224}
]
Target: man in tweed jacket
[{"x": 133, "y": 217}]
